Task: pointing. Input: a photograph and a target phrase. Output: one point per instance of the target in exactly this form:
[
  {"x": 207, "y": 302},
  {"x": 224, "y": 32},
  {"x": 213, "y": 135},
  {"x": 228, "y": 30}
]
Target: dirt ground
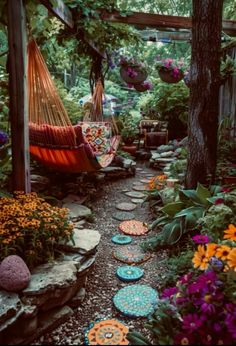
[{"x": 102, "y": 282}]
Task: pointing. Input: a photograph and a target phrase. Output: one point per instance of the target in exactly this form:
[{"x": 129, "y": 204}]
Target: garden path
[{"x": 102, "y": 282}]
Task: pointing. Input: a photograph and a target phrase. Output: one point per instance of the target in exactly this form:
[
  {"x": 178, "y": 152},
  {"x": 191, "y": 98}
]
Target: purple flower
[
  {"x": 3, "y": 138},
  {"x": 192, "y": 322},
  {"x": 184, "y": 339},
  {"x": 169, "y": 292},
  {"x": 200, "y": 239},
  {"x": 216, "y": 264},
  {"x": 230, "y": 322}
]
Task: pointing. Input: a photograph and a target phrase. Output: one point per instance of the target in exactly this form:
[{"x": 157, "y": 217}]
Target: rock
[
  {"x": 10, "y": 305},
  {"x": 14, "y": 274},
  {"x": 74, "y": 199},
  {"x": 184, "y": 142},
  {"x": 123, "y": 215},
  {"x": 135, "y": 194},
  {"x": 86, "y": 241},
  {"x": 126, "y": 206},
  {"x": 163, "y": 148},
  {"x": 78, "y": 298},
  {"x": 140, "y": 187},
  {"x": 155, "y": 156},
  {"x": 78, "y": 211},
  {"x": 86, "y": 266},
  {"x": 39, "y": 183},
  {"x": 137, "y": 200},
  {"x": 129, "y": 163},
  {"x": 167, "y": 154}
]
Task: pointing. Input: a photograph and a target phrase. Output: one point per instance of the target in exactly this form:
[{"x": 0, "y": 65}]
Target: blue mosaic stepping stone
[
  {"x": 121, "y": 239},
  {"x": 136, "y": 300},
  {"x": 129, "y": 273}
]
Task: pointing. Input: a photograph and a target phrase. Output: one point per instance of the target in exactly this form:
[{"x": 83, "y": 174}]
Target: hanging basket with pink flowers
[
  {"x": 170, "y": 70},
  {"x": 132, "y": 72},
  {"x": 144, "y": 86}
]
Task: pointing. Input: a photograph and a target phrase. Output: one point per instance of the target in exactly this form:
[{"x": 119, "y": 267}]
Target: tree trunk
[{"x": 204, "y": 91}]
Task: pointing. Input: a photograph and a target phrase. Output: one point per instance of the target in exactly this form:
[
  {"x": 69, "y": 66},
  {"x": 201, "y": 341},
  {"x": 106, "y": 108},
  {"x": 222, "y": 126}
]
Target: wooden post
[{"x": 18, "y": 96}]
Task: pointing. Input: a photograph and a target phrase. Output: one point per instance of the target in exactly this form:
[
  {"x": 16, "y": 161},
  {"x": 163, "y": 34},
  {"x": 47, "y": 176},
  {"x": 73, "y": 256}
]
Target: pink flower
[
  {"x": 200, "y": 239},
  {"x": 219, "y": 201}
]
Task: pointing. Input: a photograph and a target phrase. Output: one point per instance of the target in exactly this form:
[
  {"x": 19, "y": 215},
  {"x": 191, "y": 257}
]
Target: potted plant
[
  {"x": 129, "y": 131},
  {"x": 170, "y": 70},
  {"x": 144, "y": 86},
  {"x": 229, "y": 175},
  {"x": 132, "y": 71}
]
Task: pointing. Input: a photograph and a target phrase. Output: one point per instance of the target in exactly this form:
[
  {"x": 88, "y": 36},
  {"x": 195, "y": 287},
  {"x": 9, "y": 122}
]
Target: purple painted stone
[{"x": 14, "y": 274}]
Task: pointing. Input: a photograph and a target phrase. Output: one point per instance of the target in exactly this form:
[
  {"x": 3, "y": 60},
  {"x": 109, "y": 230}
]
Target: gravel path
[{"x": 102, "y": 283}]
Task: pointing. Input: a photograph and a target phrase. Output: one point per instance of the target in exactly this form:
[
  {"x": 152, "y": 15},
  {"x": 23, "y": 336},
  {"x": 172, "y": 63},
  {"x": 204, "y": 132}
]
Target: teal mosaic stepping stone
[
  {"x": 129, "y": 273},
  {"x": 135, "y": 194},
  {"x": 136, "y": 300},
  {"x": 123, "y": 216},
  {"x": 121, "y": 239}
]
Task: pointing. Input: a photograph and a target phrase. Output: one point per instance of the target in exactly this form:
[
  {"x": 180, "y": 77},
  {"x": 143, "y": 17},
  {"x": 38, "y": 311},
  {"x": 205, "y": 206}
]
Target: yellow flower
[
  {"x": 230, "y": 232},
  {"x": 200, "y": 259},
  {"x": 231, "y": 260},
  {"x": 222, "y": 252}
]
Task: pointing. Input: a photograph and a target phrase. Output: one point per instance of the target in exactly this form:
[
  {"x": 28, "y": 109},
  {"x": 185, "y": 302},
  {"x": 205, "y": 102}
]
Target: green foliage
[
  {"x": 130, "y": 126},
  {"x": 32, "y": 228},
  {"x": 181, "y": 216},
  {"x": 136, "y": 338},
  {"x": 5, "y": 164}
]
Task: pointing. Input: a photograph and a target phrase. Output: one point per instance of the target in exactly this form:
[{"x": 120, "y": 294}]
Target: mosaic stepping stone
[
  {"x": 136, "y": 300},
  {"x": 123, "y": 215},
  {"x": 137, "y": 200},
  {"x": 131, "y": 254},
  {"x": 106, "y": 332},
  {"x": 121, "y": 239},
  {"x": 140, "y": 188},
  {"x": 129, "y": 273},
  {"x": 133, "y": 227},
  {"x": 135, "y": 194},
  {"x": 126, "y": 206}
]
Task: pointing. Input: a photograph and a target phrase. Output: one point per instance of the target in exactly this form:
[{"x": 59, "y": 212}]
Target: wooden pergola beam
[{"x": 158, "y": 21}]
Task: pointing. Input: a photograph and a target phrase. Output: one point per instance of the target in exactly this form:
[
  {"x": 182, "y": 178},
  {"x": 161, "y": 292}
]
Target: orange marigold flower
[
  {"x": 230, "y": 233},
  {"x": 231, "y": 260},
  {"x": 200, "y": 259},
  {"x": 222, "y": 252}
]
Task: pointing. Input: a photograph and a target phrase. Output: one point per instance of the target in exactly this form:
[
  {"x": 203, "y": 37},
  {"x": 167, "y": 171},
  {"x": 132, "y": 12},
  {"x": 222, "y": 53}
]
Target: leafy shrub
[{"x": 32, "y": 228}]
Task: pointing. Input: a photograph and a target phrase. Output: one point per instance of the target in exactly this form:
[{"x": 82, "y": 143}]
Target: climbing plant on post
[{"x": 204, "y": 91}]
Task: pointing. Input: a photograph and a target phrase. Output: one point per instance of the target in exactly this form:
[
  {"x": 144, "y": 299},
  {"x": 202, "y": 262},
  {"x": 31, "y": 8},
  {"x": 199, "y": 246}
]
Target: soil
[{"x": 102, "y": 282}]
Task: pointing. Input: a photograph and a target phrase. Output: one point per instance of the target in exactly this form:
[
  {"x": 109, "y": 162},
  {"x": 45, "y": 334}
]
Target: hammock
[{"x": 54, "y": 141}]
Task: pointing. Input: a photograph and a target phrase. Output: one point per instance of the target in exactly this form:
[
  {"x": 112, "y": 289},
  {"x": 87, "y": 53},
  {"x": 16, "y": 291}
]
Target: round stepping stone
[
  {"x": 136, "y": 300},
  {"x": 137, "y": 200},
  {"x": 126, "y": 206},
  {"x": 129, "y": 273},
  {"x": 131, "y": 254},
  {"x": 139, "y": 169},
  {"x": 121, "y": 239},
  {"x": 145, "y": 181},
  {"x": 135, "y": 194},
  {"x": 106, "y": 332},
  {"x": 140, "y": 188},
  {"x": 123, "y": 215},
  {"x": 133, "y": 227}
]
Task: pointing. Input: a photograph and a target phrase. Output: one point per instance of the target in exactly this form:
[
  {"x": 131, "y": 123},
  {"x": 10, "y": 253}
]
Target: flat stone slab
[
  {"x": 47, "y": 277},
  {"x": 140, "y": 188},
  {"x": 10, "y": 305},
  {"x": 74, "y": 199},
  {"x": 123, "y": 216},
  {"x": 135, "y": 194},
  {"x": 85, "y": 241},
  {"x": 126, "y": 206},
  {"x": 77, "y": 211},
  {"x": 137, "y": 200}
]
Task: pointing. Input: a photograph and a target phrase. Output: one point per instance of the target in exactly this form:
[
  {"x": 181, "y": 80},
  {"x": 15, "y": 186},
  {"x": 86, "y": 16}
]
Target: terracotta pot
[
  {"x": 167, "y": 76},
  {"x": 131, "y": 149},
  {"x": 139, "y": 78},
  {"x": 128, "y": 140}
]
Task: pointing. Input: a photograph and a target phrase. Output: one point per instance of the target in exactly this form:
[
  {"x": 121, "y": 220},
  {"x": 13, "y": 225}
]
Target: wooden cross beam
[{"x": 161, "y": 22}]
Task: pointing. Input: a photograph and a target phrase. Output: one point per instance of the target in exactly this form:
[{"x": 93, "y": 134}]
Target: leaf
[
  {"x": 203, "y": 193},
  {"x": 198, "y": 211},
  {"x": 160, "y": 221},
  {"x": 172, "y": 208},
  {"x": 192, "y": 195}
]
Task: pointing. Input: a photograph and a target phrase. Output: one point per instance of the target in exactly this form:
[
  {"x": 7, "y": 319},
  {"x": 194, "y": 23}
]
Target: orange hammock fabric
[{"x": 54, "y": 141}]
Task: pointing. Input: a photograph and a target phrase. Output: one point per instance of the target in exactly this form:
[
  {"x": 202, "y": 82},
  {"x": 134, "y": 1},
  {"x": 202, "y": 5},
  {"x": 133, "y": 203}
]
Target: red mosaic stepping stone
[
  {"x": 133, "y": 227},
  {"x": 132, "y": 254},
  {"x": 126, "y": 206}
]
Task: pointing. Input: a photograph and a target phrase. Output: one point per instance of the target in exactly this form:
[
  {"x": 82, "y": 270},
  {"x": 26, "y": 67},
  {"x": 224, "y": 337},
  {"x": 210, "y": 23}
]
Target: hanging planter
[
  {"x": 170, "y": 70},
  {"x": 133, "y": 74},
  {"x": 168, "y": 77},
  {"x": 132, "y": 71},
  {"x": 144, "y": 86}
]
